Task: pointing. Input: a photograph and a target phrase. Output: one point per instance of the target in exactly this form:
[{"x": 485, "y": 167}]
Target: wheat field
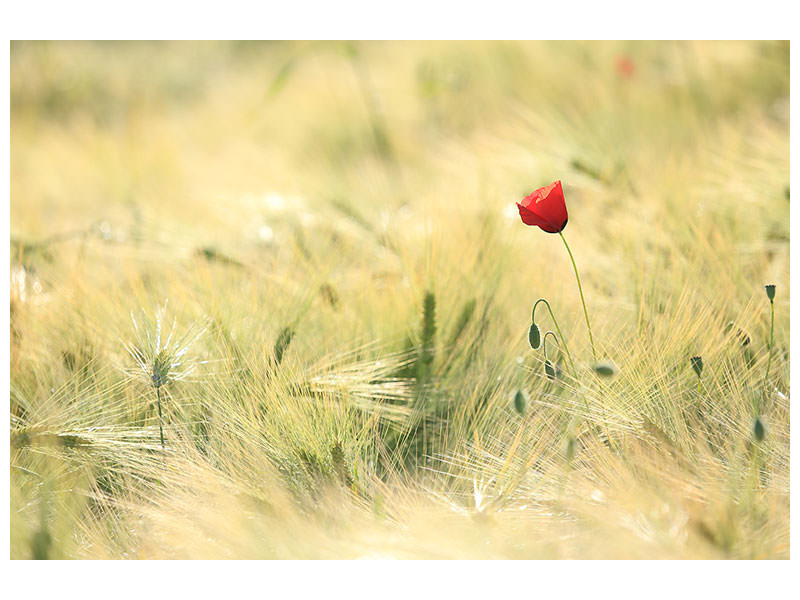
[{"x": 272, "y": 300}]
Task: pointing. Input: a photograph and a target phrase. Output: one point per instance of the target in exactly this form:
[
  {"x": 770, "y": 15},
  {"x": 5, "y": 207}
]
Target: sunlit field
[{"x": 273, "y": 300}]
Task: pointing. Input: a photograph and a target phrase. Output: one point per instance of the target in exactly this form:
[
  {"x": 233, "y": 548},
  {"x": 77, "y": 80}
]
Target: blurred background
[
  {"x": 129, "y": 132},
  {"x": 255, "y": 151}
]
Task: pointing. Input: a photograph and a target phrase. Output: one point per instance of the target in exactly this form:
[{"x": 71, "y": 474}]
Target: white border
[
  {"x": 411, "y": 19},
  {"x": 499, "y": 19}
]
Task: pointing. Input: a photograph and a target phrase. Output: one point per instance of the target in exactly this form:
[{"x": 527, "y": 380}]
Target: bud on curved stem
[
  {"x": 561, "y": 335},
  {"x": 549, "y": 368},
  {"x": 534, "y": 336}
]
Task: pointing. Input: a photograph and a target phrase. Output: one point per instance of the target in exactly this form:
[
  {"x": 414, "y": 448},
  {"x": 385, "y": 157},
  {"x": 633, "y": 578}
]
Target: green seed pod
[
  {"x": 770, "y": 291},
  {"x": 549, "y": 369},
  {"x": 605, "y": 368},
  {"x": 758, "y": 430},
  {"x": 534, "y": 337},
  {"x": 521, "y": 401},
  {"x": 697, "y": 365}
]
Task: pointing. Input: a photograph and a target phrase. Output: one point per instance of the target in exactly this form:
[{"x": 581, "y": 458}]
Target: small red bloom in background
[
  {"x": 625, "y": 66},
  {"x": 545, "y": 208}
]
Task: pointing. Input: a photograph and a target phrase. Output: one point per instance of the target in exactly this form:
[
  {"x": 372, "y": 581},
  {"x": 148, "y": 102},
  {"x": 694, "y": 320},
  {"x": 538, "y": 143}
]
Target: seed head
[
  {"x": 770, "y": 291},
  {"x": 159, "y": 364},
  {"x": 697, "y": 365},
  {"x": 161, "y": 368}
]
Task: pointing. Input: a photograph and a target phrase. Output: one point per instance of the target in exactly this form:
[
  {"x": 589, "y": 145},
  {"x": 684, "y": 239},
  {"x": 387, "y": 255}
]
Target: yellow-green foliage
[{"x": 338, "y": 220}]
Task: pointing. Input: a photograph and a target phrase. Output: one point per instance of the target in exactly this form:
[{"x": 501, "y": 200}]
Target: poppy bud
[
  {"x": 605, "y": 368},
  {"x": 770, "y": 291},
  {"x": 758, "y": 430},
  {"x": 549, "y": 369},
  {"x": 534, "y": 337},
  {"x": 697, "y": 364},
  {"x": 520, "y": 401}
]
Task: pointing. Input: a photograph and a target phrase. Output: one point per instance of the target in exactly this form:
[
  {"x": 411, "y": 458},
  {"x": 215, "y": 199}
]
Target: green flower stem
[
  {"x": 160, "y": 418},
  {"x": 544, "y": 343},
  {"x": 771, "y": 333},
  {"x": 561, "y": 335},
  {"x": 580, "y": 289}
]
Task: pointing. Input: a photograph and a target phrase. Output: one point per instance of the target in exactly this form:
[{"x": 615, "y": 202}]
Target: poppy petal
[
  {"x": 545, "y": 208},
  {"x": 529, "y": 217}
]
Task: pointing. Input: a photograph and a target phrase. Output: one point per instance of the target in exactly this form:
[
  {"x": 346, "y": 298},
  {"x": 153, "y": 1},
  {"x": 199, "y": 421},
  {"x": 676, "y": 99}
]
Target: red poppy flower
[{"x": 545, "y": 208}]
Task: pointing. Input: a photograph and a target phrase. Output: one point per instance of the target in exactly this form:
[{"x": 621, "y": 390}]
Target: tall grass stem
[{"x": 160, "y": 417}]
